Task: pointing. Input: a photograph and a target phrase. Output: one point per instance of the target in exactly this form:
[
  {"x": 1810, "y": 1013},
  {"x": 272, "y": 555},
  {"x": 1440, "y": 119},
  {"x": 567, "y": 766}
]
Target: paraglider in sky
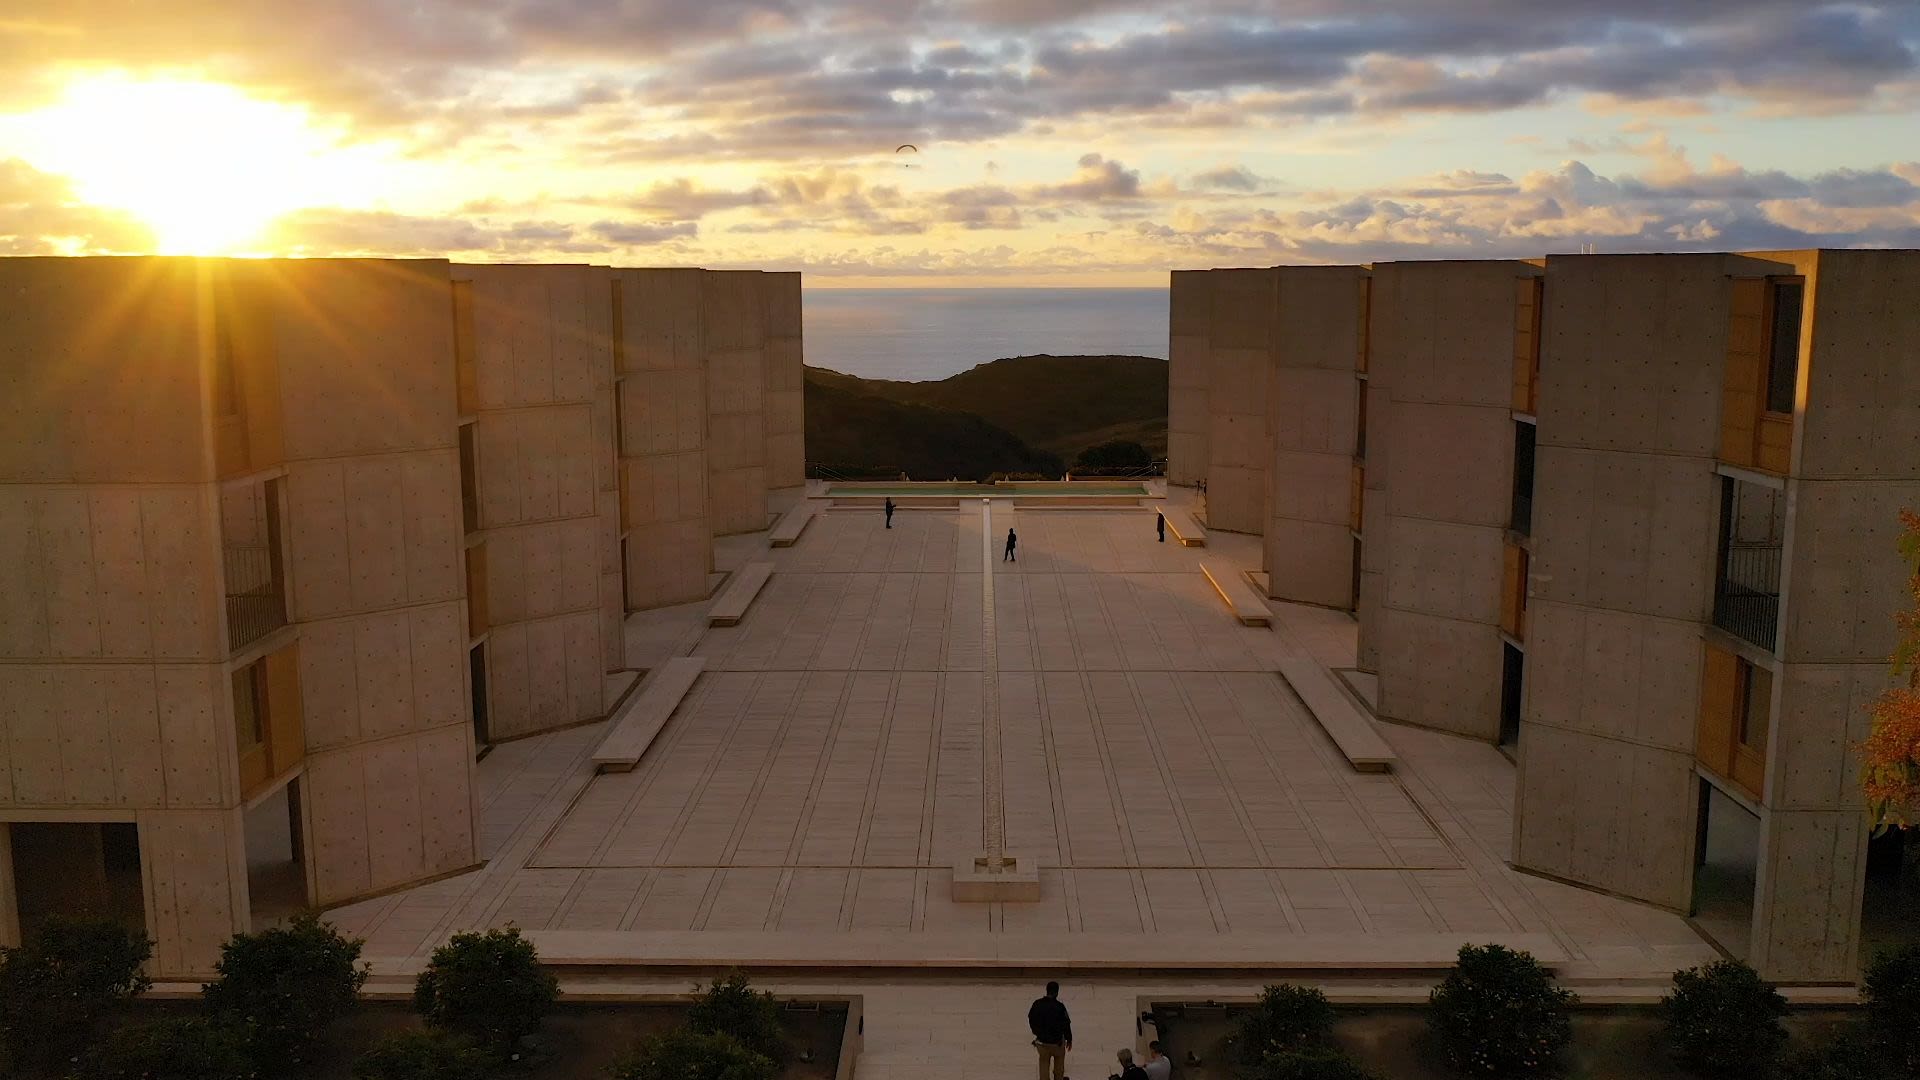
[{"x": 905, "y": 154}]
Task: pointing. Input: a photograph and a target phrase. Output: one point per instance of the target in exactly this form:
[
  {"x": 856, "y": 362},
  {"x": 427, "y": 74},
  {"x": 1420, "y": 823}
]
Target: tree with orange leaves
[{"x": 1890, "y": 774}]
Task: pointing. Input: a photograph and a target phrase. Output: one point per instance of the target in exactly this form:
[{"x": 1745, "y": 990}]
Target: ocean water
[{"x": 921, "y": 334}]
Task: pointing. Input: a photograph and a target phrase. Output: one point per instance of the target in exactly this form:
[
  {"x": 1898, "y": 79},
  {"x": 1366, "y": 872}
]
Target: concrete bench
[
  {"x": 646, "y": 711},
  {"x": 745, "y": 584},
  {"x": 1343, "y": 721},
  {"x": 1231, "y": 584},
  {"x": 1025, "y": 950},
  {"x": 1184, "y": 528},
  {"x": 786, "y": 532}
]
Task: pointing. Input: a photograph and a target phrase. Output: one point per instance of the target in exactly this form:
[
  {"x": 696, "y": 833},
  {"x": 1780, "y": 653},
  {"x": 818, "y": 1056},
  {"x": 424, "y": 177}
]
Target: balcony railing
[
  {"x": 256, "y": 603},
  {"x": 1746, "y": 600}
]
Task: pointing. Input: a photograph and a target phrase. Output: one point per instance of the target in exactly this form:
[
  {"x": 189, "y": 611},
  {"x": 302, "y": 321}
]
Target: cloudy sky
[{"x": 1071, "y": 142}]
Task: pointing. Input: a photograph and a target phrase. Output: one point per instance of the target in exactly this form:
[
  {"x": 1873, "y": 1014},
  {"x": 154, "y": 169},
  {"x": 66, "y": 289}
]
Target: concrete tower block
[
  {"x": 1242, "y": 313},
  {"x": 1190, "y": 316},
  {"x": 664, "y": 471},
  {"x": 786, "y": 383},
  {"x": 733, "y": 305}
]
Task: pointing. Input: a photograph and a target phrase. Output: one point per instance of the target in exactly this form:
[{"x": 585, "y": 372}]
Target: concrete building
[
  {"x": 283, "y": 542},
  {"x": 1714, "y": 584},
  {"x": 1671, "y": 480}
]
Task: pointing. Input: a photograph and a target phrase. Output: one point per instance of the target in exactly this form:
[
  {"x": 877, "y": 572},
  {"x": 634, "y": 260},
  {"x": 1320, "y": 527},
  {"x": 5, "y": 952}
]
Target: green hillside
[
  {"x": 855, "y": 432},
  {"x": 1061, "y": 404}
]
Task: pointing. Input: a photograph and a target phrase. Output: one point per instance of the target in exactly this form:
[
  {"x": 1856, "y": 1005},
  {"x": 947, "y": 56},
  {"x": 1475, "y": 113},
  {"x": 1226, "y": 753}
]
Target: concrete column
[
  {"x": 663, "y": 442},
  {"x": 1625, "y": 514},
  {"x": 1442, "y": 346},
  {"x": 1313, "y": 427},
  {"x": 1190, "y": 313},
  {"x": 1856, "y": 464},
  {"x": 1243, "y": 310}
]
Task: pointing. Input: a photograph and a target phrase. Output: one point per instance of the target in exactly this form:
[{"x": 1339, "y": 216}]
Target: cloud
[
  {"x": 1228, "y": 178},
  {"x": 1097, "y": 180},
  {"x": 640, "y": 233},
  {"x": 40, "y": 215}
]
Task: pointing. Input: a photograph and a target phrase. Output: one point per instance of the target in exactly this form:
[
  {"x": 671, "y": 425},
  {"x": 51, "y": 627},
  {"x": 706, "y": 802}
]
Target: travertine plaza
[{"x": 445, "y": 597}]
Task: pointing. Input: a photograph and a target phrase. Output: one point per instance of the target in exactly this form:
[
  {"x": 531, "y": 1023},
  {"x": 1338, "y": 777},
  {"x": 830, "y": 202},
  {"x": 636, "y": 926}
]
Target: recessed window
[
  {"x": 1755, "y": 703},
  {"x": 1783, "y": 357},
  {"x": 249, "y": 707}
]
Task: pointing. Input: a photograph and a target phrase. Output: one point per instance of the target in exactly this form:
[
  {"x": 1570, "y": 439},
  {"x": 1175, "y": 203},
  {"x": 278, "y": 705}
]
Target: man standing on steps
[
  {"x": 1012, "y": 540},
  {"x": 889, "y": 509},
  {"x": 1160, "y": 525},
  {"x": 1052, "y": 1031}
]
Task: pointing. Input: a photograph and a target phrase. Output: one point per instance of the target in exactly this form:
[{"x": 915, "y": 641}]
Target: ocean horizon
[{"x": 923, "y": 334}]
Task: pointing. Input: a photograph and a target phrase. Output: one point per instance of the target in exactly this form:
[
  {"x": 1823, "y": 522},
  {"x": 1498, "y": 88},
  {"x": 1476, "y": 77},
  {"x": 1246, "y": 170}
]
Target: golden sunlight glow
[{"x": 201, "y": 163}]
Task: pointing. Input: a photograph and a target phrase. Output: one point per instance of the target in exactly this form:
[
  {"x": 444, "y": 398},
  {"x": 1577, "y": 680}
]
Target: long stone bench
[
  {"x": 1242, "y": 600},
  {"x": 646, "y": 711},
  {"x": 742, "y": 587},
  {"x": 1349, "y": 728},
  {"x": 1266, "y": 952},
  {"x": 786, "y": 532},
  {"x": 1184, "y": 528}
]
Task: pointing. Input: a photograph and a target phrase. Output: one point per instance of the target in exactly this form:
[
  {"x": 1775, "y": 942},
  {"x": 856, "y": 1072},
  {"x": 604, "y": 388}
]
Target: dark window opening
[
  {"x": 1520, "y": 516},
  {"x": 1746, "y": 597},
  {"x": 469, "y": 489},
  {"x": 1754, "y": 699},
  {"x": 250, "y": 707},
  {"x": 1360, "y": 431},
  {"x": 477, "y": 668},
  {"x": 1783, "y": 358},
  {"x": 1512, "y": 676},
  {"x": 81, "y": 869}
]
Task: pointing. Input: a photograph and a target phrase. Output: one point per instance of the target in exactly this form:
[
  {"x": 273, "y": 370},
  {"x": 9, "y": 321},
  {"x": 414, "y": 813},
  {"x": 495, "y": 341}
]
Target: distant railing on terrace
[
  {"x": 256, "y": 603},
  {"x": 1746, "y": 599}
]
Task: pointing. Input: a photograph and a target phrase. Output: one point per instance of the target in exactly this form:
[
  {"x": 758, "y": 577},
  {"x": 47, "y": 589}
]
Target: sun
[{"x": 204, "y": 165}]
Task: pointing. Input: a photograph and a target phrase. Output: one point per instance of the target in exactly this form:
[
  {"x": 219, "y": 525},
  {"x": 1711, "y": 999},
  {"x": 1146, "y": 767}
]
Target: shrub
[
  {"x": 1723, "y": 1020},
  {"x": 489, "y": 987},
  {"x": 694, "y": 1055},
  {"x": 1310, "y": 1065},
  {"x": 1893, "y": 1005},
  {"x": 423, "y": 1055},
  {"x": 730, "y": 1007},
  {"x": 1287, "y": 1019},
  {"x": 56, "y": 988},
  {"x": 179, "y": 1049},
  {"x": 1853, "y": 1055},
  {"x": 1497, "y": 1013},
  {"x": 285, "y": 985}
]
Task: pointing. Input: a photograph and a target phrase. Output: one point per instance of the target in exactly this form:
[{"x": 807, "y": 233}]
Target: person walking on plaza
[
  {"x": 1158, "y": 1066},
  {"x": 889, "y": 510},
  {"x": 1128, "y": 1070},
  {"x": 1160, "y": 526},
  {"x": 1051, "y": 1026},
  {"x": 1012, "y": 541}
]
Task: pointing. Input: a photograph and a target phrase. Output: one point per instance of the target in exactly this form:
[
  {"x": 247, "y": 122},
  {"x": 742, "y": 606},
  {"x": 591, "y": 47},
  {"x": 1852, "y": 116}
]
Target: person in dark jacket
[
  {"x": 1012, "y": 542},
  {"x": 889, "y": 510},
  {"x": 1052, "y": 1033},
  {"x": 1160, "y": 526}
]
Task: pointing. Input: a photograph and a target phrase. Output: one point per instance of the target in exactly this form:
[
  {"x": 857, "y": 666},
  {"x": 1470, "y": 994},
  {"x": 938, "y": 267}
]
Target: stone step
[
  {"x": 1241, "y": 598},
  {"x": 745, "y": 584},
  {"x": 1184, "y": 528},
  {"x": 1343, "y": 721},
  {"x": 645, "y": 713},
  {"x": 786, "y": 532}
]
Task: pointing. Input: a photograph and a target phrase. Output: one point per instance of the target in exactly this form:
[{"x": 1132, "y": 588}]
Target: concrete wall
[
  {"x": 542, "y": 340},
  {"x": 114, "y": 698},
  {"x": 1313, "y": 399},
  {"x": 1190, "y": 313},
  {"x": 1441, "y": 377},
  {"x": 785, "y": 402},
  {"x": 1240, "y": 356},
  {"x": 1626, "y": 512},
  {"x": 663, "y": 396},
  {"x": 1856, "y": 465},
  {"x": 733, "y": 336},
  {"x": 365, "y": 354}
]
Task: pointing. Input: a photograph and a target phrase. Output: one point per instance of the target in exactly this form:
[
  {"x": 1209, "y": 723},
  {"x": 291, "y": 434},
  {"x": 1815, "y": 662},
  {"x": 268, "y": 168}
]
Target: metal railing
[
  {"x": 1746, "y": 599},
  {"x": 256, "y": 602}
]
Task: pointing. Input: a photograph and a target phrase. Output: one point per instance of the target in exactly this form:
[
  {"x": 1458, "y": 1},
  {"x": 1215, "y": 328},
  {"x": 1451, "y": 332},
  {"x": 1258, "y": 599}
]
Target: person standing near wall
[
  {"x": 1160, "y": 525},
  {"x": 1052, "y": 1029},
  {"x": 889, "y": 509}
]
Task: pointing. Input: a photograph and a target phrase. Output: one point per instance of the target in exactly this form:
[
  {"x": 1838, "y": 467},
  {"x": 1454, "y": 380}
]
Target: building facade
[
  {"x": 1672, "y": 483},
  {"x": 283, "y": 543}
]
